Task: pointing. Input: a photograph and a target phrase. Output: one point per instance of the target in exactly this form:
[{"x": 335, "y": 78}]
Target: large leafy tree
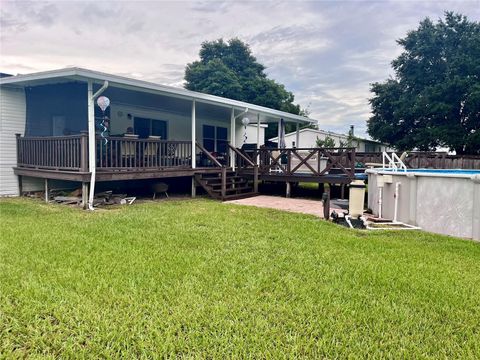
[
  {"x": 434, "y": 98},
  {"x": 230, "y": 70}
]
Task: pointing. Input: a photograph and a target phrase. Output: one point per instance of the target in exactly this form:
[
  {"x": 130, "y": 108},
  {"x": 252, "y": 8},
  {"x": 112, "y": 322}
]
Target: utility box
[
  {"x": 379, "y": 179},
  {"x": 357, "y": 198},
  {"x": 387, "y": 179}
]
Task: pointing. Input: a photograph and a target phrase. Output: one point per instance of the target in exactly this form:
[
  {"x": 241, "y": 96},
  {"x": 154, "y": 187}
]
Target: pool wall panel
[{"x": 440, "y": 204}]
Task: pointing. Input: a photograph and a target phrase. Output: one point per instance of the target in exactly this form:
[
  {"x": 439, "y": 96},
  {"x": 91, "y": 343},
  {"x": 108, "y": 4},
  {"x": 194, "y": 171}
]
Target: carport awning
[{"x": 211, "y": 103}]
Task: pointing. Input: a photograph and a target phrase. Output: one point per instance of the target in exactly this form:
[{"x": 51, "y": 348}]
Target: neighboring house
[
  {"x": 57, "y": 121},
  {"x": 307, "y": 139}
]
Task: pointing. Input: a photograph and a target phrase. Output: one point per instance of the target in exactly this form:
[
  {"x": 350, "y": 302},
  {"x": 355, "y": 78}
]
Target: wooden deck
[
  {"x": 130, "y": 158},
  {"x": 116, "y": 175},
  {"x": 118, "y": 158},
  {"x": 319, "y": 165}
]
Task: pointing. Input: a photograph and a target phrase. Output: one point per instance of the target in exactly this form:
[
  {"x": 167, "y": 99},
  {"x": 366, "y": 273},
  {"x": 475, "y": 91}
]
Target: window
[
  {"x": 369, "y": 147},
  {"x": 215, "y": 138},
  {"x": 222, "y": 140},
  {"x": 59, "y": 125},
  {"x": 145, "y": 127}
]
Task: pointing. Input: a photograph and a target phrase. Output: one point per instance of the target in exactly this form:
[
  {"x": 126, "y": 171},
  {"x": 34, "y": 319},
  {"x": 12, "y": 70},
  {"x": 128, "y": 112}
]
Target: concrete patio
[{"x": 304, "y": 206}]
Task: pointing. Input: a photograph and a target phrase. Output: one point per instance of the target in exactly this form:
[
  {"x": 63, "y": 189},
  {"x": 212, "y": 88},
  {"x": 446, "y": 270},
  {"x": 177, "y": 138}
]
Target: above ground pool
[
  {"x": 435, "y": 171},
  {"x": 437, "y": 200}
]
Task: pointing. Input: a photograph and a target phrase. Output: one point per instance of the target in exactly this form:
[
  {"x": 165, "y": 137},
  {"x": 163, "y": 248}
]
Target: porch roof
[{"x": 80, "y": 74}]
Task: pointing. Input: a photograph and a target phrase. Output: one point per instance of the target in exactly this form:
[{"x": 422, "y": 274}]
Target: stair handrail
[
  {"x": 209, "y": 155},
  {"x": 243, "y": 156}
]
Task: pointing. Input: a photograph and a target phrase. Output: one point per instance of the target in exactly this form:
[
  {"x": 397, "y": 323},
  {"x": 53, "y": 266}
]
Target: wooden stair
[{"x": 236, "y": 185}]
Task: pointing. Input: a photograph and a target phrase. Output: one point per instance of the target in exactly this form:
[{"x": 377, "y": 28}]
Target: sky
[{"x": 326, "y": 52}]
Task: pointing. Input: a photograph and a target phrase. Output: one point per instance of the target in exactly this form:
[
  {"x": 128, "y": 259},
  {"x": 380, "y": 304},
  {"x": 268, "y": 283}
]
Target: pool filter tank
[{"x": 357, "y": 198}]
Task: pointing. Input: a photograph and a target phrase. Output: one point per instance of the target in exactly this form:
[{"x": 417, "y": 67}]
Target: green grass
[{"x": 201, "y": 279}]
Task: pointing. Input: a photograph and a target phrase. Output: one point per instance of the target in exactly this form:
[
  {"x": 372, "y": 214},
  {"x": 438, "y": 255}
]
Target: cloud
[{"x": 326, "y": 53}]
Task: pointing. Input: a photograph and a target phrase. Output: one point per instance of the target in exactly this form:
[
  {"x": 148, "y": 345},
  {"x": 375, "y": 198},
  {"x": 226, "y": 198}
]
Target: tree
[
  {"x": 328, "y": 142},
  {"x": 230, "y": 70},
  {"x": 434, "y": 99}
]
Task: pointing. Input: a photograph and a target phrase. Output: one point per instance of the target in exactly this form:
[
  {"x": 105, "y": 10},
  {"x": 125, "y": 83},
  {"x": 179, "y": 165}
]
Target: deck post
[
  {"x": 232, "y": 138},
  {"x": 194, "y": 136},
  {"x": 288, "y": 190},
  {"x": 85, "y": 195},
  {"x": 84, "y": 151},
  {"x": 194, "y": 187},
  {"x": 46, "y": 190},
  {"x": 224, "y": 182},
  {"x": 297, "y": 136},
  {"x": 255, "y": 179},
  {"x": 326, "y": 204},
  {"x": 20, "y": 185},
  {"x": 17, "y": 139}
]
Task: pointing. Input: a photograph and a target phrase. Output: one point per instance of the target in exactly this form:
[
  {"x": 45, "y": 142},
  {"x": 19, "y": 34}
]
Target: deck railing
[
  {"x": 244, "y": 163},
  {"x": 303, "y": 161},
  {"x": 132, "y": 153},
  {"x": 70, "y": 153}
]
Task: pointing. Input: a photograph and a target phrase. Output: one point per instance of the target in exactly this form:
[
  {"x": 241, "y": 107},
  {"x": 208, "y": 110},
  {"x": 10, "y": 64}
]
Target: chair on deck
[
  {"x": 169, "y": 158},
  {"x": 128, "y": 150},
  {"x": 150, "y": 152}
]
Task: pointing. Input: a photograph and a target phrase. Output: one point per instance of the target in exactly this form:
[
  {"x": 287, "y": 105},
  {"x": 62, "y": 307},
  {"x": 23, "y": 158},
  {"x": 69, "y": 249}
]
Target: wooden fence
[{"x": 425, "y": 160}]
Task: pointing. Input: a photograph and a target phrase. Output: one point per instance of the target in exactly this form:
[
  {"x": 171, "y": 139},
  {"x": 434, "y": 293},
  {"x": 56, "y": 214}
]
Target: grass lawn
[{"x": 197, "y": 278}]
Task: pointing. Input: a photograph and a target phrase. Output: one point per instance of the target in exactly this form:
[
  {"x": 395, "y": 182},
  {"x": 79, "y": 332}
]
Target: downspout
[
  {"x": 91, "y": 138},
  {"x": 395, "y": 211},
  {"x": 380, "y": 193},
  {"x": 257, "y": 160},
  {"x": 194, "y": 134},
  {"x": 232, "y": 138}
]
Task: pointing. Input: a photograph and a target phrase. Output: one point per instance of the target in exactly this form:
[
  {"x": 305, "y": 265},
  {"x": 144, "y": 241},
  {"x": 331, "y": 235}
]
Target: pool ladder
[{"x": 393, "y": 162}]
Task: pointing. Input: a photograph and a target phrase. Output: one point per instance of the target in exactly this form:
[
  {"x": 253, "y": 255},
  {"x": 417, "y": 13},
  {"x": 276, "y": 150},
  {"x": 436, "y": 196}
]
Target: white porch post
[
  {"x": 278, "y": 133},
  {"x": 91, "y": 143},
  {"x": 258, "y": 138},
  {"x": 297, "y": 136},
  {"x": 258, "y": 131},
  {"x": 194, "y": 137},
  {"x": 232, "y": 138}
]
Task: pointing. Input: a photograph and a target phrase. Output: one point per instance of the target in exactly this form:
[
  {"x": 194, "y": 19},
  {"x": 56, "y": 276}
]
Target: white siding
[
  {"x": 251, "y": 134},
  {"x": 179, "y": 127},
  {"x": 12, "y": 121}
]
